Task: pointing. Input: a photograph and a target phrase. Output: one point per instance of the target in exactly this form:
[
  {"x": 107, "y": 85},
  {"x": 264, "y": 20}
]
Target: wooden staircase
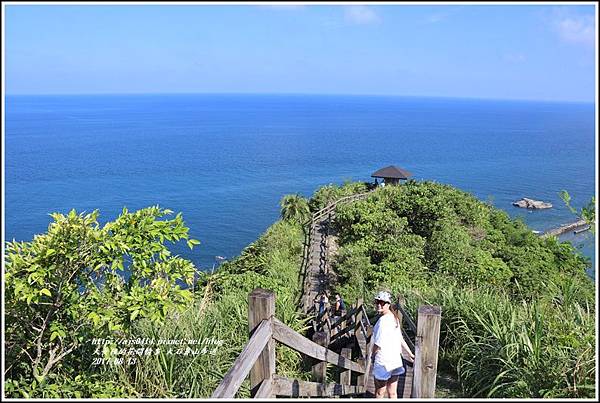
[{"x": 342, "y": 342}]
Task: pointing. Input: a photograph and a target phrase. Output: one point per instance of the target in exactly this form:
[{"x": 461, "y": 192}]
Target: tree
[
  {"x": 294, "y": 208},
  {"x": 82, "y": 281}
]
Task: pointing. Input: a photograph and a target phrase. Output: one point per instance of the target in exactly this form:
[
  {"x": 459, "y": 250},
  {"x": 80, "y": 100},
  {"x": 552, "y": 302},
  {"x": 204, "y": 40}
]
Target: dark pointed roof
[{"x": 391, "y": 172}]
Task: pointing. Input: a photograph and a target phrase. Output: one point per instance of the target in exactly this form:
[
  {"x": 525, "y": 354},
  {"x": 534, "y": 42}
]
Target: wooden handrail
[
  {"x": 288, "y": 336},
  {"x": 243, "y": 363},
  {"x": 364, "y": 311},
  {"x": 348, "y": 314},
  {"x": 409, "y": 320},
  {"x": 304, "y": 301},
  {"x": 344, "y": 331},
  {"x": 410, "y": 343},
  {"x": 306, "y": 256},
  {"x": 331, "y": 206},
  {"x": 257, "y": 358},
  {"x": 362, "y": 327}
]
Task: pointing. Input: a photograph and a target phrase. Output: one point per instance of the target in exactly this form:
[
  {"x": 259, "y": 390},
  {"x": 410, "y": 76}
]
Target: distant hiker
[
  {"x": 388, "y": 346},
  {"x": 323, "y": 301},
  {"x": 339, "y": 307}
]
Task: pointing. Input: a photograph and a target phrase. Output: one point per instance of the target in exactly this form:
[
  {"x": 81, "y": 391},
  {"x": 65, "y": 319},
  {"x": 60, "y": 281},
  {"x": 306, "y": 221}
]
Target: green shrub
[
  {"x": 81, "y": 281},
  {"x": 516, "y": 315}
]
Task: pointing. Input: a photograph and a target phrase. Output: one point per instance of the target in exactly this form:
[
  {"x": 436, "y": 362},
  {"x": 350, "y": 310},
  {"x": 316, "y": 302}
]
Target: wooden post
[
  {"x": 319, "y": 370},
  {"x": 346, "y": 376},
  {"x": 364, "y": 346},
  {"x": 261, "y": 305},
  {"x": 362, "y": 379},
  {"x": 368, "y": 360},
  {"x": 426, "y": 351},
  {"x": 360, "y": 338}
]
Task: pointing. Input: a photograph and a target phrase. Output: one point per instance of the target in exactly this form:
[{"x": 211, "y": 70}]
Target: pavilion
[{"x": 391, "y": 175}]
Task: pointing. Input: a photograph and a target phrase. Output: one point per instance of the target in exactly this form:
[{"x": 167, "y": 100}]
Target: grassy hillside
[
  {"x": 517, "y": 311},
  {"x": 220, "y": 313},
  {"x": 512, "y": 303}
]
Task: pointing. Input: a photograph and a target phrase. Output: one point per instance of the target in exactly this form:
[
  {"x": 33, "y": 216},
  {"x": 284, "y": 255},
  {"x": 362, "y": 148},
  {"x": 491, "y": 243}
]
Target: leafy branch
[{"x": 586, "y": 213}]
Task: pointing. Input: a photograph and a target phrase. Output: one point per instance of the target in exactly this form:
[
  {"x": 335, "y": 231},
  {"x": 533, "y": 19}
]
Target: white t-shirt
[{"x": 388, "y": 337}]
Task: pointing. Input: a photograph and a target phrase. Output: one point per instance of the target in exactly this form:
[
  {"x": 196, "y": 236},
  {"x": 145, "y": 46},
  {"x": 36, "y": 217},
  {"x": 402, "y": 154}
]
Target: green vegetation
[
  {"x": 220, "y": 314},
  {"x": 587, "y": 212},
  {"x": 69, "y": 286},
  {"x": 517, "y": 310},
  {"x": 96, "y": 302},
  {"x": 330, "y": 193},
  {"x": 295, "y": 208}
]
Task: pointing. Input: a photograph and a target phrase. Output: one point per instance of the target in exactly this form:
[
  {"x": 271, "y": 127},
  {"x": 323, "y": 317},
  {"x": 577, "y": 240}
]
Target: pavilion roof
[{"x": 391, "y": 172}]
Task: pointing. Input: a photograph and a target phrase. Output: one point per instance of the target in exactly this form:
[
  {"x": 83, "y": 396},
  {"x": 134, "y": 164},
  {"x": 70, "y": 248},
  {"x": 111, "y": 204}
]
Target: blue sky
[{"x": 544, "y": 52}]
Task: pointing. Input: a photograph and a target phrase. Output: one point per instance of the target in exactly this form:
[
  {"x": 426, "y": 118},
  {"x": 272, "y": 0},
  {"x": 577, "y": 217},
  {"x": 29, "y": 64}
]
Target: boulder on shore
[{"x": 531, "y": 204}]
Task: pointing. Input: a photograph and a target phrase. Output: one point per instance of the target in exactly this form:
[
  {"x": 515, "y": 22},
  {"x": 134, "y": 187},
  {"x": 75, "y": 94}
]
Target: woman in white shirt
[{"x": 388, "y": 345}]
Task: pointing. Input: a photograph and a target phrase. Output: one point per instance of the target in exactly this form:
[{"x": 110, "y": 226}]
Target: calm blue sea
[{"x": 225, "y": 161}]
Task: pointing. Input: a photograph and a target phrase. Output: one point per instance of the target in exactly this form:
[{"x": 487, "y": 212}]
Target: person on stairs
[
  {"x": 388, "y": 346},
  {"x": 339, "y": 307},
  {"x": 323, "y": 303}
]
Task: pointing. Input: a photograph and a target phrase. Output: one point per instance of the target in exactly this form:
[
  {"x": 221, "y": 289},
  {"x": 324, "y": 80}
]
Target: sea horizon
[{"x": 376, "y": 95}]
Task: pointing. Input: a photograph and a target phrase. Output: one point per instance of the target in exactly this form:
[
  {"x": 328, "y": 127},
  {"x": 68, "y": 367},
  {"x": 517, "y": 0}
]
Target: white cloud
[
  {"x": 578, "y": 29},
  {"x": 361, "y": 15},
  {"x": 572, "y": 27}
]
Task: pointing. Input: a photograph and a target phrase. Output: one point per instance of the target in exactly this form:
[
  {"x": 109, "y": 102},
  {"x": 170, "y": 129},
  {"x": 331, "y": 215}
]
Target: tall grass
[
  {"x": 220, "y": 312},
  {"x": 504, "y": 348}
]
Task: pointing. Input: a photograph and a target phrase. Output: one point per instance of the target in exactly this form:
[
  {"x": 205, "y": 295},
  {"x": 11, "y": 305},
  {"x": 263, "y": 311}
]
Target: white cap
[{"x": 384, "y": 296}]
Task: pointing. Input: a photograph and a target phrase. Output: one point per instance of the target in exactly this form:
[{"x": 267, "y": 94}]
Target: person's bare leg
[
  {"x": 392, "y": 387},
  {"x": 380, "y": 388}
]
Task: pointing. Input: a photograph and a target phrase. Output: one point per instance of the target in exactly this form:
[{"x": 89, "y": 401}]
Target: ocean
[{"x": 225, "y": 161}]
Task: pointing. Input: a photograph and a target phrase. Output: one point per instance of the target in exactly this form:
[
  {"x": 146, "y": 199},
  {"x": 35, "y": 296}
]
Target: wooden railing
[
  {"x": 422, "y": 338},
  {"x": 257, "y": 359},
  {"x": 331, "y": 206},
  {"x": 307, "y": 253}
]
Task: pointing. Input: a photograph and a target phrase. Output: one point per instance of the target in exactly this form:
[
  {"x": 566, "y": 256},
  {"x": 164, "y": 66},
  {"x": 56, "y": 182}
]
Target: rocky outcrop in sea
[{"x": 531, "y": 204}]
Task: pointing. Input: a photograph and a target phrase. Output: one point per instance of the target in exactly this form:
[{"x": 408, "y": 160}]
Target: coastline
[{"x": 577, "y": 227}]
